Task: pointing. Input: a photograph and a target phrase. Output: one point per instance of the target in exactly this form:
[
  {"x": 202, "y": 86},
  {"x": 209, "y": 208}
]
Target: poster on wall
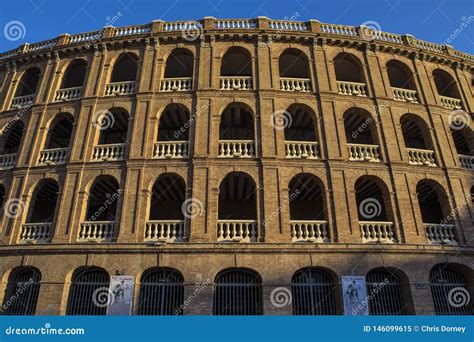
[
  {"x": 355, "y": 296},
  {"x": 121, "y": 292}
]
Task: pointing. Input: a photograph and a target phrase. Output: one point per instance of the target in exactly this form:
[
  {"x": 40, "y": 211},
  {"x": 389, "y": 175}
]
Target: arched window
[
  {"x": 114, "y": 128},
  {"x": 13, "y": 137},
  {"x": 104, "y": 190},
  {"x": 361, "y": 134},
  {"x": 28, "y": 83},
  {"x": 313, "y": 292},
  {"x": 22, "y": 291},
  {"x": 75, "y": 74},
  {"x": 238, "y": 292},
  {"x": 450, "y": 291},
  {"x": 179, "y": 64},
  {"x": 161, "y": 292},
  {"x": 236, "y": 69},
  {"x": 349, "y": 75},
  {"x": 294, "y": 71},
  {"x": 125, "y": 68},
  {"x": 89, "y": 292},
  {"x": 236, "y": 132},
  {"x": 43, "y": 203},
  {"x": 300, "y": 132},
  {"x": 60, "y": 131},
  {"x": 166, "y": 222},
  {"x": 237, "y": 215},
  {"x": 418, "y": 142},
  {"x": 173, "y": 133},
  {"x": 307, "y": 209},
  {"x": 384, "y": 293},
  {"x": 400, "y": 75},
  {"x": 464, "y": 143},
  {"x": 445, "y": 84}
]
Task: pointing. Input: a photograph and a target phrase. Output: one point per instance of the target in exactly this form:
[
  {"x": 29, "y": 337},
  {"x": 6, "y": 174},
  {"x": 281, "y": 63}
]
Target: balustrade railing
[
  {"x": 351, "y": 88},
  {"x": 383, "y": 232},
  {"x": 467, "y": 161},
  {"x": 170, "y": 149},
  {"x": 36, "y": 232},
  {"x": 364, "y": 152},
  {"x": 241, "y": 24},
  {"x": 236, "y": 149},
  {"x": 450, "y": 103},
  {"x": 295, "y": 84},
  {"x": 406, "y": 95},
  {"x": 309, "y": 231},
  {"x": 68, "y": 94},
  {"x": 440, "y": 233},
  {"x": 53, "y": 156},
  {"x": 132, "y": 30},
  {"x": 236, "y": 82},
  {"x": 177, "y": 84},
  {"x": 237, "y": 231},
  {"x": 23, "y": 101},
  {"x": 120, "y": 88},
  {"x": 288, "y": 25},
  {"x": 108, "y": 152},
  {"x": 7, "y": 161},
  {"x": 301, "y": 149},
  {"x": 96, "y": 231},
  {"x": 164, "y": 231},
  {"x": 421, "y": 157}
]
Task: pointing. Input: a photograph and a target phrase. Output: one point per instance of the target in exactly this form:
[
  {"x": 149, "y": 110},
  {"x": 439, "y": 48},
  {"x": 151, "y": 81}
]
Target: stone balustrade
[
  {"x": 236, "y": 83},
  {"x": 237, "y": 231},
  {"x": 288, "y": 25},
  {"x": 467, "y": 162},
  {"x": 239, "y": 24},
  {"x": 170, "y": 149},
  {"x": 53, "y": 156},
  {"x": 421, "y": 157},
  {"x": 177, "y": 84},
  {"x": 108, "y": 152},
  {"x": 301, "y": 149},
  {"x": 440, "y": 233},
  {"x": 68, "y": 94},
  {"x": 295, "y": 84},
  {"x": 364, "y": 152},
  {"x": 164, "y": 231},
  {"x": 96, "y": 231},
  {"x": 36, "y": 232},
  {"x": 236, "y": 149},
  {"x": 120, "y": 88},
  {"x": 382, "y": 232},
  {"x": 131, "y": 30},
  {"x": 450, "y": 103},
  {"x": 7, "y": 161},
  {"x": 351, "y": 88},
  {"x": 23, "y": 101},
  {"x": 406, "y": 95},
  {"x": 309, "y": 231}
]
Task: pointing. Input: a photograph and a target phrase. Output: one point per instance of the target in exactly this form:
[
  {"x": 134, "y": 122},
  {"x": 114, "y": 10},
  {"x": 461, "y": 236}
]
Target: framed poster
[
  {"x": 121, "y": 292},
  {"x": 354, "y": 294}
]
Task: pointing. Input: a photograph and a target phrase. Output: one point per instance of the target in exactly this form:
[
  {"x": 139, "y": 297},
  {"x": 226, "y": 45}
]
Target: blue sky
[{"x": 431, "y": 20}]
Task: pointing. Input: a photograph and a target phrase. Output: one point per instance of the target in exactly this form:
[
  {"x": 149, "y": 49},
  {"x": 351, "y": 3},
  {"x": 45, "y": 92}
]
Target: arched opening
[
  {"x": 313, "y": 292},
  {"x": 113, "y": 126},
  {"x": 28, "y": 82},
  {"x": 237, "y": 215},
  {"x": 416, "y": 135},
  {"x": 161, "y": 292},
  {"x": 21, "y": 294},
  {"x": 178, "y": 71},
  {"x": 102, "y": 201},
  {"x": 75, "y": 74},
  {"x": 300, "y": 132},
  {"x": 374, "y": 210},
  {"x": 238, "y": 292},
  {"x": 349, "y": 75},
  {"x": 173, "y": 133},
  {"x": 307, "y": 209},
  {"x": 236, "y": 69},
  {"x": 384, "y": 289},
  {"x": 89, "y": 292},
  {"x": 445, "y": 84},
  {"x": 450, "y": 291},
  {"x": 60, "y": 131},
  {"x": 294, "y": 71},
  {"x": 166, "y": 221},
  {"x": 361, "y": 134},
  {"x": 13, "y": 136},
  {"x": 464, "y": 143},
  {"x": 43, "y": 203},
  {"x": 402, "y": 81},
  {"x": 236, "y": 132},
  {"x": 125, "y": 68},
  {"x": 436, "y": 214}
]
